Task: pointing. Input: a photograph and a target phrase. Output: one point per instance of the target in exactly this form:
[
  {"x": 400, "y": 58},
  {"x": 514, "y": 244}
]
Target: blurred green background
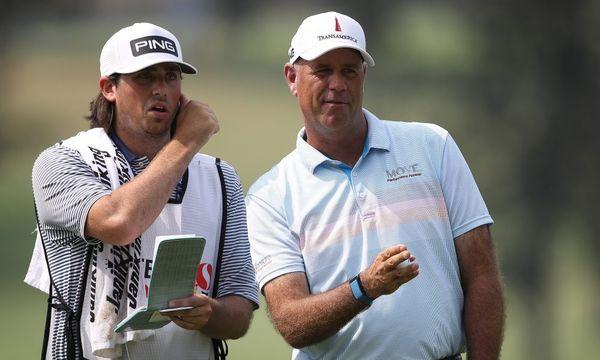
[{"x": 516, "y": 83}]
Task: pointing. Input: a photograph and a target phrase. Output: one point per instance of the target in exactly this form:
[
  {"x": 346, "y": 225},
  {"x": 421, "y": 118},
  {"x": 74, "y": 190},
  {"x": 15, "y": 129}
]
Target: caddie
[{"x": 103, "y": 195}]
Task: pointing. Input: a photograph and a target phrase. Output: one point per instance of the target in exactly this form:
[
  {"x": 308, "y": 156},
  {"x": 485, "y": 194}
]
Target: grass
[{"x": 24, "y": 307}]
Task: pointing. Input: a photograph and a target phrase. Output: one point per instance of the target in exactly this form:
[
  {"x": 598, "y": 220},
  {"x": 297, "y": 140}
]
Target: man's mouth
[
  {"x": 158, "y": 108},
  {"x": 332, "y": 102}
]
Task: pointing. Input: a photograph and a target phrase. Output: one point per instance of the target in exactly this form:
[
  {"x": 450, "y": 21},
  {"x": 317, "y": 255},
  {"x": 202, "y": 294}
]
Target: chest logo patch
[{"x": 403, "y": 172}]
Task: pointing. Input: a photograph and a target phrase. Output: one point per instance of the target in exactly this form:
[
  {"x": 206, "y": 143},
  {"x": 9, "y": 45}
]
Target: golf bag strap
[
  {"x": 47, "y": 326},
  {"x": 220, "y": 348},
  {"x": 61, "y": 306}
]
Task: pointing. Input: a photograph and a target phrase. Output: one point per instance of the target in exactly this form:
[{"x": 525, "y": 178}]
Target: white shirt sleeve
[
  {"x": 275, "y": 249},
  {"x": 466, "y": 208}
]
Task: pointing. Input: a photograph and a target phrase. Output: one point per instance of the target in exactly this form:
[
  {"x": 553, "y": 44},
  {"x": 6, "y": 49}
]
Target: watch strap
[{"x": 358, "y": 291}]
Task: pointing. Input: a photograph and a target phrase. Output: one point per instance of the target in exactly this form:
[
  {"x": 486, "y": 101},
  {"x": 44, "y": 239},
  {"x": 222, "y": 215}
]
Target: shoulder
[
  {"x": 207, "y": 164},
  {"x": 203, "y": 160},
  {"x": 416, "y": 129},
  {"x": 408, "y": 131},
  {"x": 420, "y": 136},
  {"x": 60, "y": 156},
  {"x": 93, "y": 138},
  {"x": 229, "y": 171},
  {"x": 276, "y": 179},
  {"x": 210, "y": 161}
]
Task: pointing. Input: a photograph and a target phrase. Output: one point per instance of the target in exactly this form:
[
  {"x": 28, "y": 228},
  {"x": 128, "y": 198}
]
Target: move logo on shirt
[{"x": 402, "y": 172}]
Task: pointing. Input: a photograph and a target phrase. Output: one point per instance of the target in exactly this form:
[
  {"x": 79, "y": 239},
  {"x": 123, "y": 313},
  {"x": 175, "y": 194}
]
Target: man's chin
[
  {"x": 335, "y": 115},
  {"x": 157, "y": 116},
  {"x": 158, "y": 127}
]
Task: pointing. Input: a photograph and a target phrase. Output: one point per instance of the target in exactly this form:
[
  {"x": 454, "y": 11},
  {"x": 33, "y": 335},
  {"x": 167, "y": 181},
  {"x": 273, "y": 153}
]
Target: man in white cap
[
  {"x": 337, "y": 227},
  {"x": 103, "y": 196}
]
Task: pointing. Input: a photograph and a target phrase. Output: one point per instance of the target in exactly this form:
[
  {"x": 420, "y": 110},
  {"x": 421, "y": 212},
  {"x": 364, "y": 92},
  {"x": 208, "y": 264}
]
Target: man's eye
[
  {"x": 351, "y": 72},
  {"x": 145, "y": 76},
  {"x": 172, "y": 76}
]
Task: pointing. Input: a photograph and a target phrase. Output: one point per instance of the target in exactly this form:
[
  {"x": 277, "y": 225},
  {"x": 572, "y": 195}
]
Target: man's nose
[
  {"x": 337, "y": 82},
  {"x": 159, "y": 86}
]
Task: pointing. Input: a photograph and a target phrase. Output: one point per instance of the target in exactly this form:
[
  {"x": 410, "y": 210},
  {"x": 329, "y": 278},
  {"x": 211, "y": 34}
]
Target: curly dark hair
[{"x": 102, "y": 111}]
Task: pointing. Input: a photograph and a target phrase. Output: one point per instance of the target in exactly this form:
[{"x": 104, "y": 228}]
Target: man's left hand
[{"x": 191, "y": 319}]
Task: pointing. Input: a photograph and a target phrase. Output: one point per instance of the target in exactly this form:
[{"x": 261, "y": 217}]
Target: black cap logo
[{"x": 153, "y": 44}]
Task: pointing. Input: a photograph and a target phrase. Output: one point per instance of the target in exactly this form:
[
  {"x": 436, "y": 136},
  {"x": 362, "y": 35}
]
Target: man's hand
[
  {"x": 192, "y": 319},
  {"x": 195, "y": 123},
  {"x": 391, "y": 268},
  {"x": 227, "y": 317}
]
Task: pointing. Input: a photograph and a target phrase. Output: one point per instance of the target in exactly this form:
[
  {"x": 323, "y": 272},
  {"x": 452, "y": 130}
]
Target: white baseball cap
[
  {"x": 324, "y": 32},
  {"x": 138, "y": 46}
]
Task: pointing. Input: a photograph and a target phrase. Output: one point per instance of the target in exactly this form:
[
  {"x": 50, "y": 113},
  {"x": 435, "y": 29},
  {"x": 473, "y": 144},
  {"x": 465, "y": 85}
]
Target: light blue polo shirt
[{"x": 411, "y": 186}]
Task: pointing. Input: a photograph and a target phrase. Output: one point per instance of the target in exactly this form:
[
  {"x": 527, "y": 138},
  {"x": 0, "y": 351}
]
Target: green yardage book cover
[{"x": 176, "y": 260}]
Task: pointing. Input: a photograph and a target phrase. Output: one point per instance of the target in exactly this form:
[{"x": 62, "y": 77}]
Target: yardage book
[{"x": 176, "y": 259}]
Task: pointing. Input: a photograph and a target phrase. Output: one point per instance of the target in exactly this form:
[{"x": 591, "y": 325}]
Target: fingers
[
  {"x": 391, "y": 251},
  {"x": 183, "y": 100},
  {"x": 398, "y": 260},
  {"x": 193, "y": 301},
  {"x": 193, "y": 318},
  {"x": 203, "y": 310},
  {"x": 196, "y": 123},
  {"x": 406, "y": 271},
  {"x": 189, "y": 323},
  {"x": 391, "y": 268}
]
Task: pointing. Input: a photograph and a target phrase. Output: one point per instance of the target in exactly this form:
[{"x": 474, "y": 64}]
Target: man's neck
[
  {"x": 346, "y": 146},
  {"x": 145, "y": 145}
]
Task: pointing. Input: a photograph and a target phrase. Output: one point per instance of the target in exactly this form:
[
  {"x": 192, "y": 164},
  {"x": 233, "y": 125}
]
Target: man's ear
[
  {"x": 290, "y": 78},
  {"x": 107, "y": 87}
]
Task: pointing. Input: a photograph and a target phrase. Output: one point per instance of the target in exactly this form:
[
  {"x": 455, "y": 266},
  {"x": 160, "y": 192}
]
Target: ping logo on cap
[{"x": 152, "y": 44}]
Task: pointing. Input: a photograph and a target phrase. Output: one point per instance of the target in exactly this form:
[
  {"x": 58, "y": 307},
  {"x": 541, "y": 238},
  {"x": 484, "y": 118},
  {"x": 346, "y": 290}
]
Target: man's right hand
[
  {"x": 195, "y": 123},
  {"x": 391, "y": 268}
]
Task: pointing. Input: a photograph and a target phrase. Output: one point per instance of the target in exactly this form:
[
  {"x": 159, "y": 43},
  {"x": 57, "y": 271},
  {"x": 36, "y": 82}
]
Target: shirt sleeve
[
  {"x": 466, "y": 208},
  {"x": 275, "y": 249},
  {"x": 65, "y": 188},
  {"x": 237, "y": 273}
]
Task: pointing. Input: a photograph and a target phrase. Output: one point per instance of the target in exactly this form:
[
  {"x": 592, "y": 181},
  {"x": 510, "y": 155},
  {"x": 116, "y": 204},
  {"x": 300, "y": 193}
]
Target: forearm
[
  {"x": 307, "y": 320},
  {"x": 483, "y": 318},
  {"x": 303, "y": 318},
  {"x": 483, "y": 314},
  {"x": 230, "y": 317},
  {"x": 125, "y": 214}
]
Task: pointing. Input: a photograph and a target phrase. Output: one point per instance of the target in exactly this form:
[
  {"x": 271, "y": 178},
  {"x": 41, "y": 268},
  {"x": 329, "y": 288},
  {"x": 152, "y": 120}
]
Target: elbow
[
  {"x": 117, "y": 230},
  {"x": 232, "y": 332},
  {"x": 113, "y": 223},
  {"x": 238, "y": 334},
  {"x": 294, "y": 336},
  {"x": 295, "y": 340},
  {"x": 242, "y": 329},
  {"x": 238, "y": 331}
]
